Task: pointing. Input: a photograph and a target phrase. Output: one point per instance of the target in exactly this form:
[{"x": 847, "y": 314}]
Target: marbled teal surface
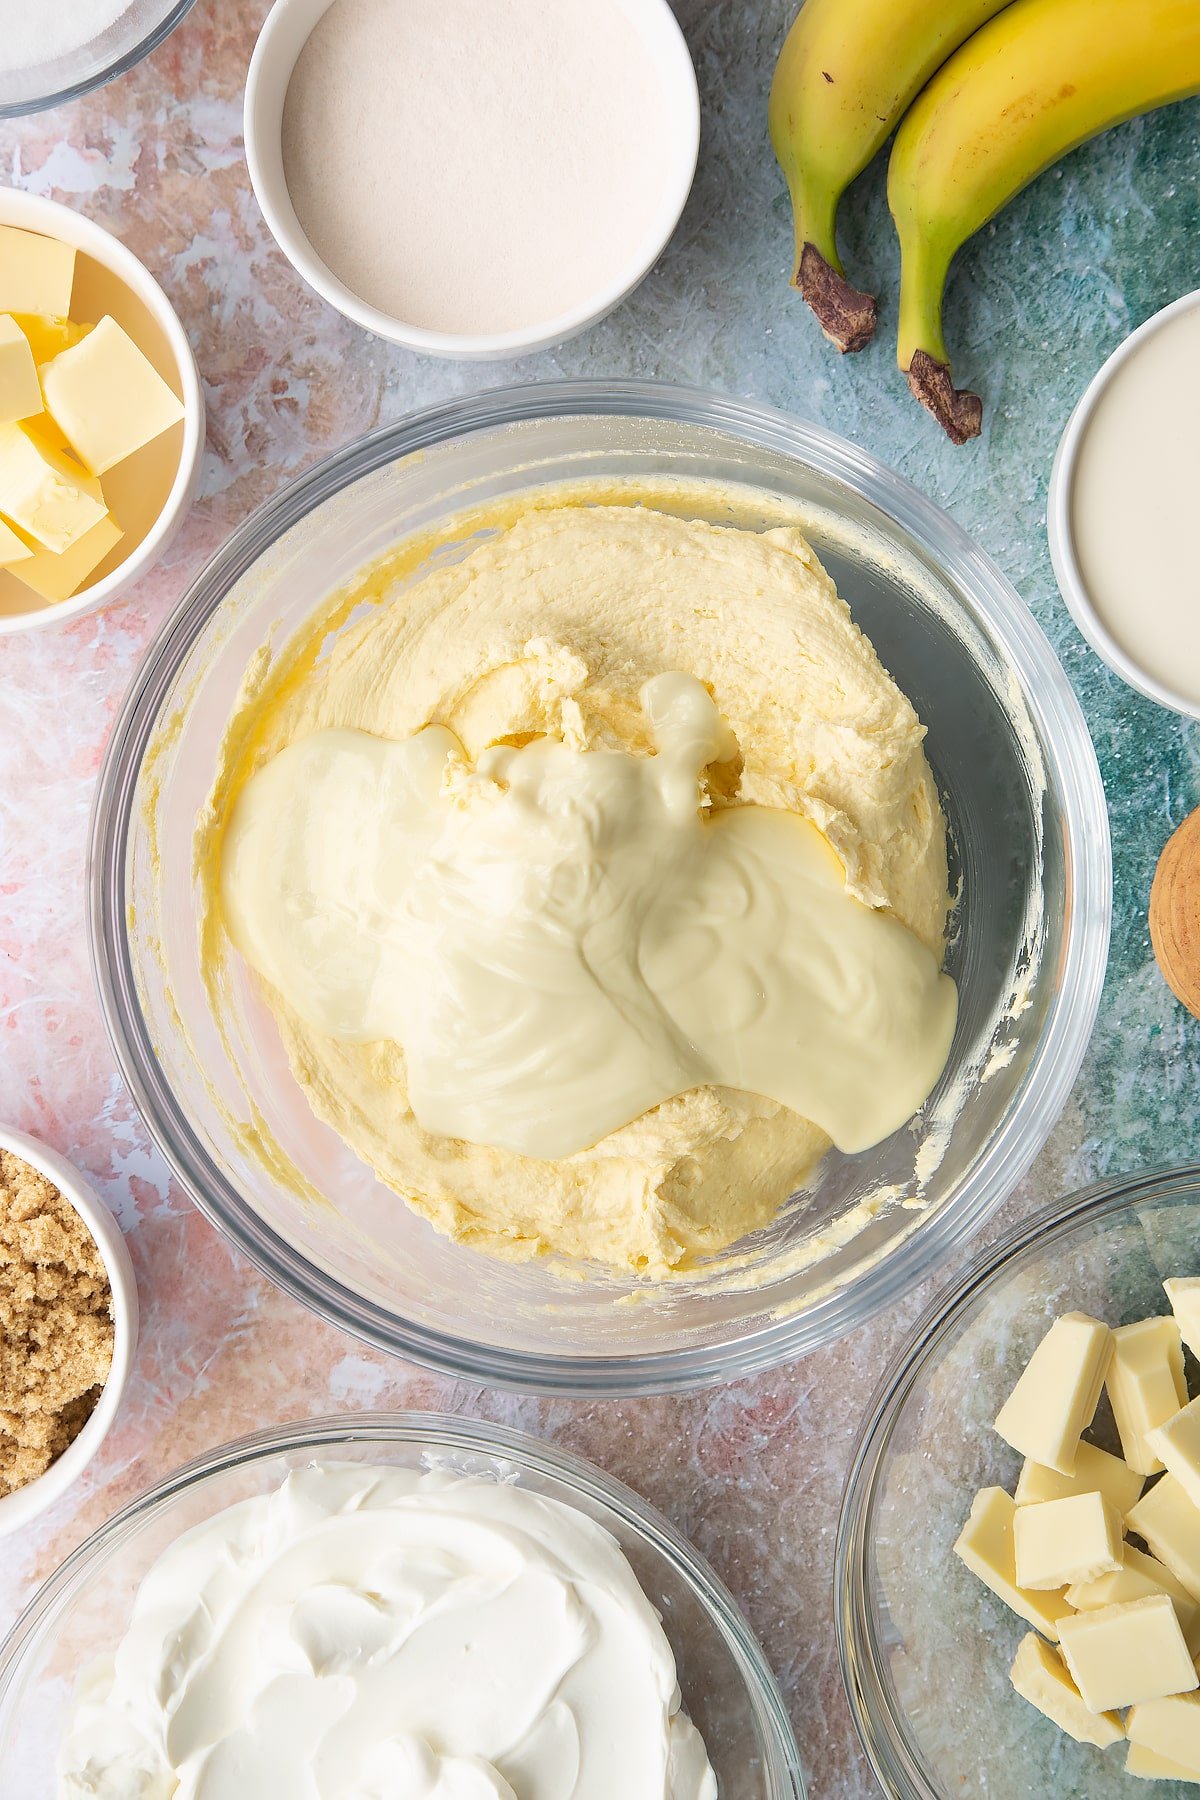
[{"x": 752, "y": 1472}]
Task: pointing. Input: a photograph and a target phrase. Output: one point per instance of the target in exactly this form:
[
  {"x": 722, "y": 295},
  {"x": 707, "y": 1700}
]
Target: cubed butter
[
  {"x": 46, "y": 337},
  {"x": 20, "y": 394},
  {"x": 1096, "y": 1471},
  {"x": 985, "y": 1544},
  {"x": 1170, "y": 1727},
  {"x": 1040, "y": 1676},
  {"x": 1055, "y": 1399},
  {"x": 1124, "y": 1655},
  {"x": 36, "y": 273},
  {"x": 1150, "y": 1766},
  {"x": 1146, "y": 1385},
  {"x": 1170, "y": 1524},
  {"x": 1061, "y": 1541},
  {"x": 43, "y": 491},
  {"x": 13, "y": 549},
  {"x": 57, "y": 577},
  {"x": 108, "y": 398},
  {"x": 1177, "y": 1446},
  {"x": 1183, "y": 1292},
  {"x": 1139, "y": 1578}
]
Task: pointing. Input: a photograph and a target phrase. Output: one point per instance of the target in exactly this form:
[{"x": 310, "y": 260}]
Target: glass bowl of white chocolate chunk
[
  {"x": 1018, "y": 1559},
  {"x": 248, "y": 1119},
  {"x": 431, "y": 1605}
]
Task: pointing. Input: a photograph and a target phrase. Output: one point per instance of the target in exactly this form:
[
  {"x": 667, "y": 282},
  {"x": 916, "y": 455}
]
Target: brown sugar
[{"x": 56, "y": 1323}]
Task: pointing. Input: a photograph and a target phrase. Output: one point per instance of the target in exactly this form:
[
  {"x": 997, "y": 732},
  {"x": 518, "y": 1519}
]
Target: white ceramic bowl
[
  {"x": 152, "y": 490},
  {"x": 1063, "y": 554},
  {"x": 38, "y": 1496},
  {"x": 288, "y": 27}
]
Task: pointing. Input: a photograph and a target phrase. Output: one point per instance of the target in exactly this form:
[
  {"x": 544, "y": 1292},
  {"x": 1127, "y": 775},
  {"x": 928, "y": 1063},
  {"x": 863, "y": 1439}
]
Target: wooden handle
[{"x": 1175, "y": 913}]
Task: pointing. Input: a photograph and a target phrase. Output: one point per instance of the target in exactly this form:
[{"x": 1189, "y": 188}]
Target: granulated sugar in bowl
[
  {"x": 477, "y": 178},
  {"x": 51, "y": 51}
]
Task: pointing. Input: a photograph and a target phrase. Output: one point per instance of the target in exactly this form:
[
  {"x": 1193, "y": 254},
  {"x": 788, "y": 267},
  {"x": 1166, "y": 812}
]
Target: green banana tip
[
  {"x": 845, "y": 315},
  {"x": 957, "y": 410}
]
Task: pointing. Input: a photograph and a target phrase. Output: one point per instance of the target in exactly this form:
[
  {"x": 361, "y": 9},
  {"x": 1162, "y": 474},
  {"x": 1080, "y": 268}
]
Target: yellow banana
[
  {"x": 847, "y": 72},
  {"x": 1040, "y": 78}
]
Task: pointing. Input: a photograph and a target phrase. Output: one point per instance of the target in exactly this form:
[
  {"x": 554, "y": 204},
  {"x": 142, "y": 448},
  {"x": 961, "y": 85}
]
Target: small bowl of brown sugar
[{"x": 68, "y": 1326}]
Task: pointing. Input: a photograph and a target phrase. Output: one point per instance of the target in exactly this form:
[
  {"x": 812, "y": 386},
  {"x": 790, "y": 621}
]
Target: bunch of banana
[
  {"x": 1000, "y": 100},
  {"x": 847, "y": 73}
]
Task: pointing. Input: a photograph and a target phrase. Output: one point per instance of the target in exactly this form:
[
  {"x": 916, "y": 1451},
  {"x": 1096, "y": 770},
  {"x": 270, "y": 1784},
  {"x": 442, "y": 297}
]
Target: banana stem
[
  {"x": 924, "y": 266},
  {"x": 921, "y": 346},
  {"x": 958, "y": 411},
  {"x": 814, "y": 216},
  {"x": 844, "y": 313}
]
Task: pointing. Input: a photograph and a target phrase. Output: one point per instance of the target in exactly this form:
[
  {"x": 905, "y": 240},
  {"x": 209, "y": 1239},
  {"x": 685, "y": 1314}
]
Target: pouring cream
[
  {"x": 372, "y": 1633},
  {"x": 561, "y": 939}
]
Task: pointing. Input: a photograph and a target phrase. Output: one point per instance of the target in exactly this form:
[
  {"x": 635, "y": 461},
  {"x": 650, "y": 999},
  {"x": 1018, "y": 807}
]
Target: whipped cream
[
  {"x": 373, "y": 1633},
  {"x": 561, "y": 939}
]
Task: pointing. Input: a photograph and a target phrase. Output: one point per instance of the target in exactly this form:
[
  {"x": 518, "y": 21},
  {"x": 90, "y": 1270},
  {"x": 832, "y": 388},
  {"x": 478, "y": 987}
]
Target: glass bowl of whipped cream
[
  {"x": 387, "y": 1604},
  {"x": 927, "y": 1651},
  {"x": 591, "y": 619}
]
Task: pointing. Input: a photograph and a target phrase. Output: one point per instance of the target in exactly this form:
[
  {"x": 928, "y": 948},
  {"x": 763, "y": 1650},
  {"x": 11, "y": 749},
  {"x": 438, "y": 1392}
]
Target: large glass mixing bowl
[
  {"x": 82, "y": 1611},
  {"x": 1028, "y": 825}
]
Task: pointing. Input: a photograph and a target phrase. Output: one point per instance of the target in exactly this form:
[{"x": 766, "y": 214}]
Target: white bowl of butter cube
[
  {"x": 101, "y": 416},
  {"x": 1018, "y": 1559}
]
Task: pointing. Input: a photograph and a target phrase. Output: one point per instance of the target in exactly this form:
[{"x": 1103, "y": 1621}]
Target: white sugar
[
  {"x": 33, "y": 32},
  {"x": 478, "y": 165}
]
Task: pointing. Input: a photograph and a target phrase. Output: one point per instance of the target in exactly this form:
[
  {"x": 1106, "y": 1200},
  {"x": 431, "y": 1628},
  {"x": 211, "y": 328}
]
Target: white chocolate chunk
[
  {"x": 1150, "y": 1766},
  {"x": 1170, "y": 1524},
  {"x": 1096, "y": 1471},
  {"x": 985, "y": 1544},
  {"x": 1063, "y": 1541},
  {"x": 1040, "y": 1676},
  {"x": 1177, "y": 1445},
  {"x": 1055, "y": 1399},
  {"x": 1184, "y": 1294},
  {"x": 108, "y": 398},
  {"x": 1170, "y": 1727},
  {"x": 1146, "y": 1385},
  {"x": 1125, "y": 1655},
  {"x": 1140, "y": 1578}
]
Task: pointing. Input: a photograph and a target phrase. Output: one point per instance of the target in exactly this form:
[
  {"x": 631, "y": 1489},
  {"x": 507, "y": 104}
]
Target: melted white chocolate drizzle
[{"x": 561, "y": 939}]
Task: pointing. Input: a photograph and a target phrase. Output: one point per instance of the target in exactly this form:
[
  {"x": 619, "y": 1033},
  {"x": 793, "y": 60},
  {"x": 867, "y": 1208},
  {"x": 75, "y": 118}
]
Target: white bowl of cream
[
  {"x": 1122, "y": 509},
  {"x": 472, "y": 180}
]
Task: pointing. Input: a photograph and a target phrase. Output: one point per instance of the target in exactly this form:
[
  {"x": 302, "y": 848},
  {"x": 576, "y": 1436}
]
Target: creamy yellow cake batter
[{"x": 555, "y": 625}]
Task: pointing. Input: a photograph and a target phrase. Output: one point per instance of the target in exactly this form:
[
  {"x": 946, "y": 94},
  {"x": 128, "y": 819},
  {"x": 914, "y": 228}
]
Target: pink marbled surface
[{"x": 751, "y": 1472}]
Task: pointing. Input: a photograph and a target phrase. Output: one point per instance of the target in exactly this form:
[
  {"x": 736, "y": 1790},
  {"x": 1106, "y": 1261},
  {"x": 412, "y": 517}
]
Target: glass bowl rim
[
  {"x": 158, "y": 34},
  {"x": 440, "y": 1430},
  {"x": 1070, "y": 754},
  {"x": 875, "y": 1718}
]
